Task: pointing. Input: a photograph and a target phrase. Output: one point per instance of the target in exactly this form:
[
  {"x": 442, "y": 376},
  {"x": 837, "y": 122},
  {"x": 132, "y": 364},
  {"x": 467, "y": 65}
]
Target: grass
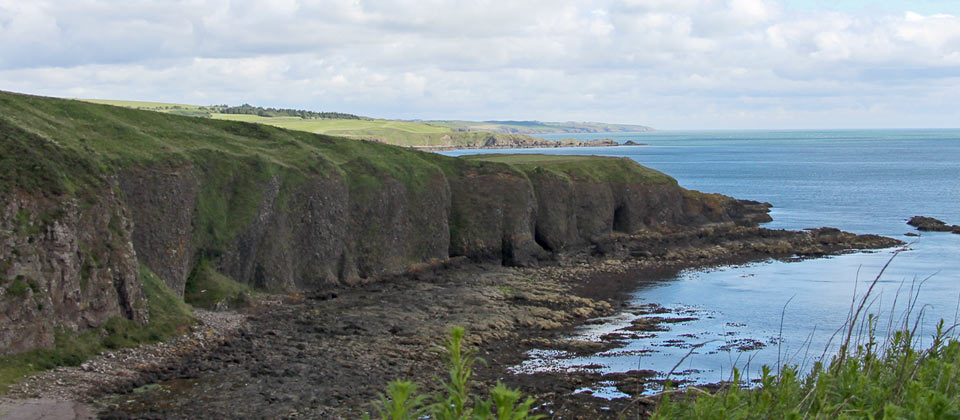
[
  {"x": 352, "y": 127},
  {"x": 206, "y": 288},
  {"x": 168, "y": 317},
  {"x": 867, "y": 379},
  {"x": 539, "y": 127},
  {"x": 177, "y": 109},
  {"x": 401, "y": 133},
  {"x": 579, "y": 168},
  {"x": 896, "y": 382}
]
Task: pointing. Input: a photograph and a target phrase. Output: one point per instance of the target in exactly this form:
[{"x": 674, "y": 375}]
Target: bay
[{"x": 862, "y": 181}]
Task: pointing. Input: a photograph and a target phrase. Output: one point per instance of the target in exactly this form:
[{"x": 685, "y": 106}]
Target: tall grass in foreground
[
  {"x": 893, "y": 379},
  {"x": 402, "y": 402}
]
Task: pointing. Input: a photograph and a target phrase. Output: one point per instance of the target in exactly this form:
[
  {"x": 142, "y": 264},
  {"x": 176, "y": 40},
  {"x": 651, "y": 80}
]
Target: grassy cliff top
[
  {"x": 591, "y": 168},
  {"x": 59, "y": 144},
  {"x": 62, "y": 145},
  {"x": 397, "y": 132},
  {"x": 400, "y": 133}
]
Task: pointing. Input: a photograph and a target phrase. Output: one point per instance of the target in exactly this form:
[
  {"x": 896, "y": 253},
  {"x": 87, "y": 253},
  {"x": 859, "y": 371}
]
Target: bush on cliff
[
  {"x": 208, "y": 289},
  {"x": 403, "y": 403}
]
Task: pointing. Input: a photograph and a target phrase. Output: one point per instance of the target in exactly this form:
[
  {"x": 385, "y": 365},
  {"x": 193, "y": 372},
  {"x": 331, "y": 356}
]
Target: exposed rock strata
[
  {"x": 64, "y": 264},
  {"x": 327, "y": 229},
  {"x": 330, "y": 230}
]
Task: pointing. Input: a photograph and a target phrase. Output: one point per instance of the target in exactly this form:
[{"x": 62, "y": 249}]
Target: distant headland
[{"x": 420, "y": 134}]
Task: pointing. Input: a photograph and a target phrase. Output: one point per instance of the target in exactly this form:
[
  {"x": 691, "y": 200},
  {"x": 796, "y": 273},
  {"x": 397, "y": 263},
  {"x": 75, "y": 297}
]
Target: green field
[
  {"x": 179, "y": 109},
  {"x": 539, "y": 127},
  {"x": 396, "y": 132},
  {"x": 403, "y": 133}
]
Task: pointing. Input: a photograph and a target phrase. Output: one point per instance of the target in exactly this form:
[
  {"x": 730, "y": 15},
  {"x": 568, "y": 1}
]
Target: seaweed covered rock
[{"x": 929, "y": 224}]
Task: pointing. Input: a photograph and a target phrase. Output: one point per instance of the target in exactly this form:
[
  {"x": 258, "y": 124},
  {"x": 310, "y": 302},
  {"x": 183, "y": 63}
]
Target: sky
[{"x": 670, "y": 64}]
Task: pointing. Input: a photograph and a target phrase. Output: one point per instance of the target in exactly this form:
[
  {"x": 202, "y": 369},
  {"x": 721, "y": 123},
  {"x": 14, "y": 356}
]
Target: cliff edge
[{"x": 90, "y": 192}]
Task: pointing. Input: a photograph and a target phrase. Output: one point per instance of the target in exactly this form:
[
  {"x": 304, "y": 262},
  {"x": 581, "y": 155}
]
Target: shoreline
[
  {"x": 329, "y": 354},
  {"x": 558, "y": 144}
]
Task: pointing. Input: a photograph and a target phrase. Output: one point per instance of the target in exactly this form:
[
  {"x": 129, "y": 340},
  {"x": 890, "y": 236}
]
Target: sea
[{"x": 791, "y": 311}]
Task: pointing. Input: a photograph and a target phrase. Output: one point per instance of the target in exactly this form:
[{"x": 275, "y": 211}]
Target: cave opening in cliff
[{"x": 621, "y": 219}]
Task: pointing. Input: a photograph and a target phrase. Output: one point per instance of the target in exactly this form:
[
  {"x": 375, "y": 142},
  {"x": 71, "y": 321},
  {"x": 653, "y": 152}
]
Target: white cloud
[{"x": 678, "y": 63}]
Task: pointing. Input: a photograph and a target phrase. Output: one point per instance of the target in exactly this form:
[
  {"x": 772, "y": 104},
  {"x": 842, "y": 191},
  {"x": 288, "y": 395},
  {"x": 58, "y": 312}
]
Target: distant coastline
[
  {"x": 418, "y": 134},
  {"x": 535, "y": 143}
]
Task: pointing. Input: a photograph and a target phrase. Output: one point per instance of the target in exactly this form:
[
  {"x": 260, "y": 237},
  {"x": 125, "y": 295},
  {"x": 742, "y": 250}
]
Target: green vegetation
[
  {"x": 587, "y": 168},
  {"x": 63, "y": 149},
  {"x": 18, "y": 288},
  {"x": 168, "y": 313},
  {"x": 539, "y": 127},
  {"x": 454, "y": 401},
  {"x": 206, "y": 288},
  {"x": 209, "y": 110},
  {"x": 899, "y": 382},
  {"x": 69, "y": 350},
  {"x": 401, "y": 133},
  {"x": 168, "y": 316},
  {"x": 177, "y": 109},
  {"x": 69, "y": 147},
  {"x": 867, "y": 379},
  {"x": 248, "y": 109}
]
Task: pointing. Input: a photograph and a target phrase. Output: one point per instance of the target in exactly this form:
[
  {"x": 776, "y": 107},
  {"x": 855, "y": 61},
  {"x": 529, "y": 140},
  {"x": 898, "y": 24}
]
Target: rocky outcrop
[
  {"x": 65, "y": 263},
  {"x": 929, "y": 224},
  {"x": 162, "y": 201}
]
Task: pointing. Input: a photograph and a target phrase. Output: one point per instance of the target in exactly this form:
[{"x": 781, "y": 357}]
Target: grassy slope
[
  {"x": 539, "y": 127},
  {"x": 592, "y": 168},
  {"x": 77, "y": 143},
  {"x": 401, "y": 133}
]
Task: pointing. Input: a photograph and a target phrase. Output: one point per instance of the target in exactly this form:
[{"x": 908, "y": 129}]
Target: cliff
[{"x": 90, "y": 191}]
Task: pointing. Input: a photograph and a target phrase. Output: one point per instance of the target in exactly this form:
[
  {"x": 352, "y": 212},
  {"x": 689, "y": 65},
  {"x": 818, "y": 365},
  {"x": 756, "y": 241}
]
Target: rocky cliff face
[
  {"x": 335, "y": 229},
  {"x": 64, "y": 264},
  {"x": 85, "y": 198}
]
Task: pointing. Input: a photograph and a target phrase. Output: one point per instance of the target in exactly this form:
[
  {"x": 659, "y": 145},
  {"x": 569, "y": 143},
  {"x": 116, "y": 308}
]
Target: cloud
[{"x": 679, "y": 63}]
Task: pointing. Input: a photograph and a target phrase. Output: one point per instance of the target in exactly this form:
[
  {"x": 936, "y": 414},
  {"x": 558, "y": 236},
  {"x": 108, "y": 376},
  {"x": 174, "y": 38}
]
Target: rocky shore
[
  {"x": 326, "y": 355},
  {"x": 527, "y": 142},
  {"x": 929, "y": 224}
]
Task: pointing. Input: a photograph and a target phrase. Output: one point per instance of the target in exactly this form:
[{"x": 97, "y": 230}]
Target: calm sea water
[{"x": 863, "y": 181}]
